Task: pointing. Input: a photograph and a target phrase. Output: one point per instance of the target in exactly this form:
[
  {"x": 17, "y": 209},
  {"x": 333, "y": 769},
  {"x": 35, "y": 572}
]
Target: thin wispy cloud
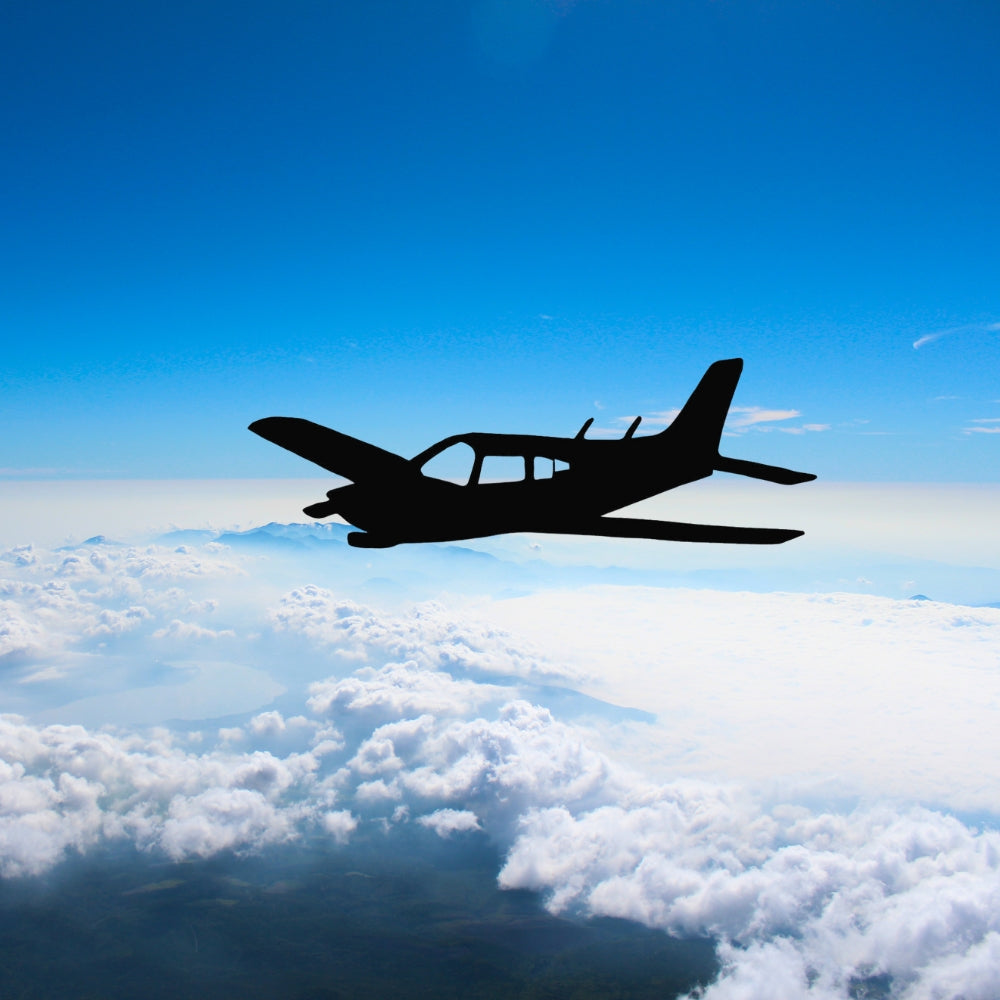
[
  {"x": 929, "y": 338},
  {"x": 983, "y": 425},
  {"x": 748, "y": 416},
  {"x": 740, "y": 420},
  {"x": 659, "y": 418},
  {"x": 760, "y": 418}
]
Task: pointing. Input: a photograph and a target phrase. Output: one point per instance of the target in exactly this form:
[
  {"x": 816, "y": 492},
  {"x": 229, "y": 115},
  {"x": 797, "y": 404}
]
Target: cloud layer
[{"x": 457, "y": 721}]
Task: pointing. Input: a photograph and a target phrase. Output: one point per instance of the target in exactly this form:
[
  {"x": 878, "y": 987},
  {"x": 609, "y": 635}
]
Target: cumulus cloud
[
  {"x": 101, "y": 593},
  {"x": 429, "y": 635},
  {"x": 445, "y": 822},
  {"x": 397, "y": 689},
  {"x": 65, "y": 788},
  {"x": 817, "y": 902}
]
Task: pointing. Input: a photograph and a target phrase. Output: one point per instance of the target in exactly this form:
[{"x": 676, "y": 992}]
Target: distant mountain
[
  {"x": 93, "y": 540},
  {"x": 299, "y": 536}
]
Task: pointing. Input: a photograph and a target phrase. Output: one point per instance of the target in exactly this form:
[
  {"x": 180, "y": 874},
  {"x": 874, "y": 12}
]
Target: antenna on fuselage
[
  {"x": 631, "y": 430},
  {"x": 583, "y": 430}
]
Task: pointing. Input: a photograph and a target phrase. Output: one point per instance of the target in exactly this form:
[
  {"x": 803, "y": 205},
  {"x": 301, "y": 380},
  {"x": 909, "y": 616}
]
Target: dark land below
[{"x": 398, "y": 915}]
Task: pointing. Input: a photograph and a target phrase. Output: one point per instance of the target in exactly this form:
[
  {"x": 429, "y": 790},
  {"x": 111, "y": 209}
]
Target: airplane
[{"x": 562, "y": 485}]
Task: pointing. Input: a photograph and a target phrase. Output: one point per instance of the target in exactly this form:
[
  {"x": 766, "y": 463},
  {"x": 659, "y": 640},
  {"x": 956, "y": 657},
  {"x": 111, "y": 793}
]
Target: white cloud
[
  {"x": 340, "y": 824},
  {"x": 428, "y": 636},
  {"x": 267, "y": 723},
  {"x": 184, "y": 631},
  {"x": 445, "y": 822},
  {"x": 811, "y": 900},
  {"x": 747, "y": 416},
  {"x": 659, "y": 418},
  {"x": 740, "y": 419},
  {"x": 929, "y": 338},
  {"x": 398, "y": 689},
  {"x": 730, "y": 811},
  {"x": 220, "y": 819},
  {"x": 870, "y": 693}
]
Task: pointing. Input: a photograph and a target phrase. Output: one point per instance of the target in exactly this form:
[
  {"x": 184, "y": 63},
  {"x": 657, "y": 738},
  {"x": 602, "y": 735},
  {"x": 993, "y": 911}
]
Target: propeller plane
[{"x": 559, "y": 485}]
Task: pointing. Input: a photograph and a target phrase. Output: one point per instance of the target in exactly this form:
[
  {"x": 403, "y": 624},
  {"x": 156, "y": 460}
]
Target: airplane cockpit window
[
  {"x": 543, "y": 467},
  {"x": 454, "y": 464},
  {"x": 502, "y": 469}
]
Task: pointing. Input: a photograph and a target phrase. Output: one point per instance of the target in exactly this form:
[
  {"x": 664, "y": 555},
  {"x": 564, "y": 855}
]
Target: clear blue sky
[{"x": 408, "y": 219}]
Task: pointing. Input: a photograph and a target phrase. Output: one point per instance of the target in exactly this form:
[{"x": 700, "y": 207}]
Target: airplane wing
[
  {"x": 757, "y": 470},
  {"x": 678, "y": 531},
  {"x": 338, "y": 453}
]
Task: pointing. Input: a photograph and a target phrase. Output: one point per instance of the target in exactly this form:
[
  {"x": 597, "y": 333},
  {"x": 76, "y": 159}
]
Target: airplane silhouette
[{"x": 563, "y": 485}]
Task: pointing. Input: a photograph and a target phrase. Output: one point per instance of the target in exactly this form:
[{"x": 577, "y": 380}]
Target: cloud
[
  {"x": 729, "y": 808},
  {"x": 929, "y": 338},
  {"x": 445, "y": 822},
  {"x": 980, "y": 429},
  {"x": 848, "y": 688},
  {"x": 661, "y": 418},
  {"x": 428, "y": 635},
  {"x": 397, "y": 689},
  {"x": 741, "y": 418},
  {"x": 818, "y": 902},
  {"x": 750, "y": 415},
  {"x": 66, "y": 788}
]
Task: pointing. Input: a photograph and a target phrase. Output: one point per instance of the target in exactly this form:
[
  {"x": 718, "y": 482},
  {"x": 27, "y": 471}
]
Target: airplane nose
[
  {"x": 322, "y": 509},
  {"x": 336, "y": 502}
]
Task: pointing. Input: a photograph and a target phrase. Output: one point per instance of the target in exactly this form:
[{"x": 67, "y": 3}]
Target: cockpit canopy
[{"x": 472, "y": 462}]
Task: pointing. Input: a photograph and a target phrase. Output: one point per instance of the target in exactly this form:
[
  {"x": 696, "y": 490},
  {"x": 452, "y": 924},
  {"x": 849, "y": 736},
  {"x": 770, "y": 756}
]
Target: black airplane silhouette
[{"x": 563, "y": 485}]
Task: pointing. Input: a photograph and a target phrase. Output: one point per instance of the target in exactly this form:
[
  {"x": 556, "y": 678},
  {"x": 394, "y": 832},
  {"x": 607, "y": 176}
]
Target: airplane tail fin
[{"x": 704, "y": 414}]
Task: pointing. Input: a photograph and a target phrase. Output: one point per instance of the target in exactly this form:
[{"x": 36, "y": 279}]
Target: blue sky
[{"x": 410, "y": 219}]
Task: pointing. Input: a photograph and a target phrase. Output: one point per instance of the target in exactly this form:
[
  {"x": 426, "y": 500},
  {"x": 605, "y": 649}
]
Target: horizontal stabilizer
[
  {"x": 338, "y": 453},
  {"x": 757, "y": 470},
  {"x": 679, "y": 531}
]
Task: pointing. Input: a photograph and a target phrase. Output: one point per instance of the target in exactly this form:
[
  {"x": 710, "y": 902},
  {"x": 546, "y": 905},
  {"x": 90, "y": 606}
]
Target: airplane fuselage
[
  {"x": 602, "y": 476},
  {"x": 546, "y": 484}
]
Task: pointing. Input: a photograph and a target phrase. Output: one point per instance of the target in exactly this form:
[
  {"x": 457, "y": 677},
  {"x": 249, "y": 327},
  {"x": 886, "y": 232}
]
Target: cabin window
[
  {"x": 560, "y": 466},
  {"x": 502, "y": 469},
  {"x": 454, "y": 464},
  {"x": 543, "y": 467}
]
